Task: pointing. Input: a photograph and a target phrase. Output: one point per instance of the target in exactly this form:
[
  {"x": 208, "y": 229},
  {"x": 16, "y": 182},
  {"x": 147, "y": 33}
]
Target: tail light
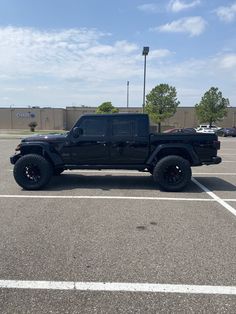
[{"x": 216, "y": 144}]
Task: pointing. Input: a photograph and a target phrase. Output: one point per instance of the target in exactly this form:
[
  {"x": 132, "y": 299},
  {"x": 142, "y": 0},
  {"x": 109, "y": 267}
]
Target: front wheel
[
  {"x": 172, "y": 173},
  {"x": 32, "y": 172}
]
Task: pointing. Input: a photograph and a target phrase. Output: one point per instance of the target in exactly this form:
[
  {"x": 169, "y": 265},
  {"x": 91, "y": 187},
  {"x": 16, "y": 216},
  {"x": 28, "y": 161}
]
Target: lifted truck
[{"x": 116, "y": 141}]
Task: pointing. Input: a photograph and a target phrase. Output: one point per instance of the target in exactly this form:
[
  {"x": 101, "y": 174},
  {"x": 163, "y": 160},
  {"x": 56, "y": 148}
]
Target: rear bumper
[
  {"x": 14, "y": 158},
  {"x": 214, "y": 161}
]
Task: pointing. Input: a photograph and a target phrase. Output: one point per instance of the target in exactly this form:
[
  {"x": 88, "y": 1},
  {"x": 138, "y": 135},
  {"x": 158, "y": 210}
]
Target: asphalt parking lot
[{"x": 112, "y": 242}]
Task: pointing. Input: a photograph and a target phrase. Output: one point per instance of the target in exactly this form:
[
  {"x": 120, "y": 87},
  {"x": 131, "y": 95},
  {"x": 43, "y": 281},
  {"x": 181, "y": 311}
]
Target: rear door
[{"x": 129, "y": 140}]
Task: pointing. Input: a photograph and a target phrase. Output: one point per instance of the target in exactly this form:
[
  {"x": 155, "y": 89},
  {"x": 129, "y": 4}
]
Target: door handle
[
  {"x": 130, "y": 142},
  {"x": 102, "y": 142}
]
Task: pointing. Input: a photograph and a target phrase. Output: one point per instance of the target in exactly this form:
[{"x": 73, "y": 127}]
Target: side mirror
[{"x": 76, "y": 132}]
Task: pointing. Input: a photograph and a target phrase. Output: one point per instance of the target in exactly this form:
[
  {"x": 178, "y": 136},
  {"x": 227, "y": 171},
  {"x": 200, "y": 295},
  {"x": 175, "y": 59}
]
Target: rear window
[{"x": 130, "y": 126}]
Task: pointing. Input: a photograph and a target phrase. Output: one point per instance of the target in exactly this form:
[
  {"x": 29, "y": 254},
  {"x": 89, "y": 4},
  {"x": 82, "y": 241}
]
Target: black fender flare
[
  {"x": 46, "y": 150},
  {"x": 194, "y": 159}
]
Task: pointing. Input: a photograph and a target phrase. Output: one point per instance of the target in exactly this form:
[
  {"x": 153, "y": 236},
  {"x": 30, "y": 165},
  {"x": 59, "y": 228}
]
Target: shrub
[{"x": 32, "y": 125}]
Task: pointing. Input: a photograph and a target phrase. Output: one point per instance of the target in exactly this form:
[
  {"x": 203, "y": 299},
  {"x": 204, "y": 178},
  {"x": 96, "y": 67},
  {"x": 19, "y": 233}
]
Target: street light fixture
[{"x": 145, "y": 53}]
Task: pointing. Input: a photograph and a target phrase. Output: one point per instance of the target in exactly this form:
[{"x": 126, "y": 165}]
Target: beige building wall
[
  {"x": 5, "y": 118},
  {"x": 52, "y": 119},
  {"x": 74, "y": 113},
  {"x": 59, "y": 119},
  {"x": 184, "y": 118},
  {"x": 230, "y": 119},
  {"x": 19, "y": 118}
]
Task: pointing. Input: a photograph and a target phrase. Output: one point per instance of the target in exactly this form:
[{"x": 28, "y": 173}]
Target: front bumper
[
  {"x": 214, "y": 161},
  {"x": 14, "y": 158}
]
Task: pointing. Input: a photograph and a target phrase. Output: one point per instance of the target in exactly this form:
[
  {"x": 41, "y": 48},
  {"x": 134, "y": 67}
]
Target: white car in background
[{"x": 205, "y": 128}]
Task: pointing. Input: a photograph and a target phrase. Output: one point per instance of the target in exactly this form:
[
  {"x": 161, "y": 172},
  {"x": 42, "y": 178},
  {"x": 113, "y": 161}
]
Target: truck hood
[{"x": 46, "y": 138}]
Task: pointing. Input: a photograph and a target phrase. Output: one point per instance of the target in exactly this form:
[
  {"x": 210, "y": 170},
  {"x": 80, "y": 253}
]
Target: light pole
[
  {"x": 145, "y": 53},
  {"x": 127, "y": 94}
]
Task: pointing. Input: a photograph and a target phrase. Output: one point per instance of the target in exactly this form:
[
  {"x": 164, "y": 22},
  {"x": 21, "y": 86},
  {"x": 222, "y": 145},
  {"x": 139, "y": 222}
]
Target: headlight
[{"x": 18, "y": 147}]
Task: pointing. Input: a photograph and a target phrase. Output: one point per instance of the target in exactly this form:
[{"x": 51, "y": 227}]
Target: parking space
[
  {"x": 118, "y": 243},
  {"x": 127, "y": 241},
  {"x": 52, "y": 301}
]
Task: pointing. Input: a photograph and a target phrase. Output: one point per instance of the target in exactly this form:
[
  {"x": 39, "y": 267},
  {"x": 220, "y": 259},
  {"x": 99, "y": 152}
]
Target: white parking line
[
  {"x": 227, "y": 154},
  {"x": 116, "y": 197},
  {"x": 215, "y": 173},
  {"x": 215, "y": 197},
  {"x": 118, "y": 286},
  {"x": 107, "y": 197}
]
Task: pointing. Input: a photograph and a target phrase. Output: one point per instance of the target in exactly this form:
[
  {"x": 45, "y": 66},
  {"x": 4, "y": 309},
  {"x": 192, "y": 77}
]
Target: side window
[
  {"x": 94, "y": 126},
  {"x": 123, "y": 127},
  {"x": 133, "y": 126},
  {"x": 142, "y": 126}
]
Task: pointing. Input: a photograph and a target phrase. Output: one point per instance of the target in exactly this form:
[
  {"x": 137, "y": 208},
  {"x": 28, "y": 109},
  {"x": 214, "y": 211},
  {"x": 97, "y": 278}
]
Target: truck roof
[{"x": 114, "y": 114}]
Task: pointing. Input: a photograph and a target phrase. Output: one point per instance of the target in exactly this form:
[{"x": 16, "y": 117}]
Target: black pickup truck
[{"x": 116, "y": 141}]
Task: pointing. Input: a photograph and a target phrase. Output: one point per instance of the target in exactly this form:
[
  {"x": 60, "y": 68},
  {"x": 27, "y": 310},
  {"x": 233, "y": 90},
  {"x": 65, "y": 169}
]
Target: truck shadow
[
  {"x": 216, "y": 184},
  {"x": 104, "y": 182},
  {"x": 108, "y": 182}
]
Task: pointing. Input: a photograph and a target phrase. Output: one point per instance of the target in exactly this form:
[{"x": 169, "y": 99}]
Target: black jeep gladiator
[{"x": 116, "y": 141}]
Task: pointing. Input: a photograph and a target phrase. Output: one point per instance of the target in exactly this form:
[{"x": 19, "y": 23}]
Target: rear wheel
[
  {"x": 172, "y": 173},
  {"x": 32, "y": 172}
]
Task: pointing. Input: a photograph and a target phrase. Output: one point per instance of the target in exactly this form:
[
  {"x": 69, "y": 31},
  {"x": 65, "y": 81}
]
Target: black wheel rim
[
  {"x": 173, "y": 174},
  {"x": 32, "y": 173}
]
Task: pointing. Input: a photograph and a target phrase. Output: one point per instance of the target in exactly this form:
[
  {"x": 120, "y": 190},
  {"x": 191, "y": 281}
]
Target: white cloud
[
  {"x": 42, "y": 87},
  {"x": 159, "y": 53},
  {"x": 179, "y": 5},
  {"x": 118, "y": 47},
  {"x": 227, "y": 13},
  {"x": 15, "y": 89},
  {"x": 228, "y": 61},
  {"x": 82, "y": 66},
  {"x": 193, "y": 26},
  {"x": 63, "y": 54},
  {"x": 52, "y": 66},
  {"x": 149, "y": 8}
]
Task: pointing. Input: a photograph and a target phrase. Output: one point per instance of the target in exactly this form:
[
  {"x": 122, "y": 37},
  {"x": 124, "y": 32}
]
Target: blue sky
[{"x": 69, "y": 52}]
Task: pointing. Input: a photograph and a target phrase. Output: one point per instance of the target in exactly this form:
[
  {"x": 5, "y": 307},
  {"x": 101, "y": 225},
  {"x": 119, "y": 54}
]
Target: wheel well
[
  {"x": 172, "y": 151},
  {"x": 38, "y": 151}
]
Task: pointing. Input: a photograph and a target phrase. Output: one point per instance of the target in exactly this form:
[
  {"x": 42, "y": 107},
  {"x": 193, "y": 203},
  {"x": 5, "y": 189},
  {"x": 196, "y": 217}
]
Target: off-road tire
[
  {"x": 172, "y": 173},
  {"x": 32, "y": 172}
]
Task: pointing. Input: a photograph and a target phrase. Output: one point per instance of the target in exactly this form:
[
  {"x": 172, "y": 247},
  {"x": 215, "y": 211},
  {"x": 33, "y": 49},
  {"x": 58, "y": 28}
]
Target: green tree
[
  {"x": 106, "y": 107},
  {"x": 161, "y": 103},
  {"x": 212, "y": 107}
]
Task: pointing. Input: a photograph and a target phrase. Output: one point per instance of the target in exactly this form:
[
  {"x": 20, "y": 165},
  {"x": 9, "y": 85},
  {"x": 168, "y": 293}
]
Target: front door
[{"x": 92, "y": 146}]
